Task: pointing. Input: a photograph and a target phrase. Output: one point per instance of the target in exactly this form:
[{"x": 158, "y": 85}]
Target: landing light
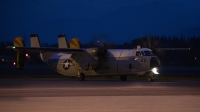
[
  {"x": 155, "y": 70},
  {"x": 13, "y": 47}
]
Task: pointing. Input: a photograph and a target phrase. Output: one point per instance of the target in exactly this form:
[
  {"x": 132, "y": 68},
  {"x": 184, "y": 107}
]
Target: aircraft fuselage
[{"x": 115, "y": 62}]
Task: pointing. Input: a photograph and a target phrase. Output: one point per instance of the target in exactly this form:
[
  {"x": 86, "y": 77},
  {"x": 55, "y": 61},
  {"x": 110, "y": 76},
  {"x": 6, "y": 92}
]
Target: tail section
[
  {"x": 35, "y": 42},
  {"x": 75, "y": 43},
  {"x": 19, "y": 54},
  {"x": 62, "y": 42},
  {"x": 19, "y": 42}
]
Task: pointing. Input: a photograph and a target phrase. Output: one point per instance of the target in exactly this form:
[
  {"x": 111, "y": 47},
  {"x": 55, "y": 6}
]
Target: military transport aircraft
[{"x": 71, "y": 60}]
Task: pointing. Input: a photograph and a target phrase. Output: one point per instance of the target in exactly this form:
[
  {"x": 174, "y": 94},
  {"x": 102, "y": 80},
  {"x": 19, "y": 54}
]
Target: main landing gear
[
  {"x": 80, "y": 76},
  {"x": 151, "y": 77},
  {"x": 123, "y": 77}
]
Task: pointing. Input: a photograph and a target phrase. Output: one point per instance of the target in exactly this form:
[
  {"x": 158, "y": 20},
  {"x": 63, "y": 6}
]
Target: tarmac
[
  {"x": 43, "y": 90},
  {"x": 50, "y": 95}
]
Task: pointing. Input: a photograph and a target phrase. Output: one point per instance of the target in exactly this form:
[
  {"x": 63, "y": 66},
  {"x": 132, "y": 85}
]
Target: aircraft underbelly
[{"x": 118, "y": 64}]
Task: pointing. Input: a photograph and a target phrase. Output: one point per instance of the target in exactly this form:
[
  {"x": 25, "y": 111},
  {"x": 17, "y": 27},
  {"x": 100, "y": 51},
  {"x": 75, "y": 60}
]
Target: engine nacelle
[{"x": 99, "y": 53}]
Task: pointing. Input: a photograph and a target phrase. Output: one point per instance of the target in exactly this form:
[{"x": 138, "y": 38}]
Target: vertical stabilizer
[
  {"x": 62, "y": 42},
  {"x": 19, "y": 42},
  {"x": 19, "y": 54},
  {"x": 34, "y": 40},
  {"x": 75, "y": 43}
]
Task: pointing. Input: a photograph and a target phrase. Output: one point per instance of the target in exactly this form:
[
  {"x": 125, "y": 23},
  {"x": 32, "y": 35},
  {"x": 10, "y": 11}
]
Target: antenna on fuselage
[{"x": 138, "y": 47}]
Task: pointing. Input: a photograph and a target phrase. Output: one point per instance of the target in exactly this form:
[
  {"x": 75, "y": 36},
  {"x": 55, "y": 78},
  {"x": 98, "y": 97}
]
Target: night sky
[{"x": 115, "y": 21}]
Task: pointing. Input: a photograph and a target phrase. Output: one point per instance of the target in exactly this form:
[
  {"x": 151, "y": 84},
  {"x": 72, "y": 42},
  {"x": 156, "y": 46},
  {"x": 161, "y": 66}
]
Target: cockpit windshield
[
  {"x": 148, "y": 53},
  {"x": 144, "y": 53}
]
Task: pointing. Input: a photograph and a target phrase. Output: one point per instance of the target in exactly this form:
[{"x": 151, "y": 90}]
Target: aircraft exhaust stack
[{"x": 101, "y": 53}]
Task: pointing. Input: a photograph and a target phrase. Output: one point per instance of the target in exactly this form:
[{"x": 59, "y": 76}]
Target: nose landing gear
[{"x": 151, "y": 77}]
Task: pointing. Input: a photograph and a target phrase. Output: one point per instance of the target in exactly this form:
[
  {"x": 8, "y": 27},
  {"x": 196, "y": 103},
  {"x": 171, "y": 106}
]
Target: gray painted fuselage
[{"x": 116, "y": 62}]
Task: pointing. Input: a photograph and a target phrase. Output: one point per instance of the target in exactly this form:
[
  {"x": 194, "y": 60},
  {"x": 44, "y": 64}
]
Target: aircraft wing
[
  {"x": 48, "y": 49},
  {"x": 168, "y": 49}
]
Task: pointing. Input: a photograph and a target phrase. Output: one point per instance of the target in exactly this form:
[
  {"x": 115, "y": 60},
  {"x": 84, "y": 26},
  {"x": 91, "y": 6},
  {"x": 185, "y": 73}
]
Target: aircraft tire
[
  {"x": 81, "y": 77},
  {"x": 123, "y": 78},
  {"x": 150, "y": 79}
]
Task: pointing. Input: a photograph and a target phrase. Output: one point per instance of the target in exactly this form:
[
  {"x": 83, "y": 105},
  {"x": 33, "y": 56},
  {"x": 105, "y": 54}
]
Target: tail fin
[
  {"x": 75, "y": 43},
  {"x": 19, "y": 54},
  {"x": 62, "y": 42},
  {"x": 35, "y": 42}
]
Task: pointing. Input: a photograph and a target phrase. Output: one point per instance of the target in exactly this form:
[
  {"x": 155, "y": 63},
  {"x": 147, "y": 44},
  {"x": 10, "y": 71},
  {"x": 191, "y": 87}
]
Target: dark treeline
[{"x": 168, "y": 58}]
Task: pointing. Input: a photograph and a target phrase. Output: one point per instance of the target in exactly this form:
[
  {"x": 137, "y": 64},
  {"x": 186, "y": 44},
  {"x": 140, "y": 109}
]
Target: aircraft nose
[{"x": 155, "y": 62}]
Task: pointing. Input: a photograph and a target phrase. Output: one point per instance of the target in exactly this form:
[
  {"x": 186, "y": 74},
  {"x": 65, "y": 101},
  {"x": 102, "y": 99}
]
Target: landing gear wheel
[
  {"x": 123, "y": 78},
  {"x": 80, "y": 76},
  {"x": 150, "y": 79}
]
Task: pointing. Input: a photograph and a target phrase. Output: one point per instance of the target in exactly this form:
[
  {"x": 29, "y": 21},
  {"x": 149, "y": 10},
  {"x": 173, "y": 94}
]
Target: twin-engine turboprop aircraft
[{"x": 71, "y": 60}]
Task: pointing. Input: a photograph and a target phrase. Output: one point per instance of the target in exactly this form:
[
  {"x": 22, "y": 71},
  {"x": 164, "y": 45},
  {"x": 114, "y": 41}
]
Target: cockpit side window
[
  {"x": 152, "y": 53},
  {"x": 142, "y": 53},
  {"x": 138, "y": 53},
  {"x": 148, "y": 53}
]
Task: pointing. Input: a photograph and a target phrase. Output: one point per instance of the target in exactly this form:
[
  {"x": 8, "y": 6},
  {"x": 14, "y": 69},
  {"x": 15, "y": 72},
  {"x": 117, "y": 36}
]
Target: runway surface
[{"x": 65, "y": 94}]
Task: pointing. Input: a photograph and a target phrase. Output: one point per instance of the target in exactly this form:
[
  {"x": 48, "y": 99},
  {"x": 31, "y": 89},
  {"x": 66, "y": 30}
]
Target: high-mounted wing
[
  {"x": 47, "y": 49},
  {"x": 171, "y": 49}
]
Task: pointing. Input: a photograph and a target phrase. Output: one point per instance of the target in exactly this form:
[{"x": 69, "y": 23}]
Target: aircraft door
[{"x": 125, "y": 63}]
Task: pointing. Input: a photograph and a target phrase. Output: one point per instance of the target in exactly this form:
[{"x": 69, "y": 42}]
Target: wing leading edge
[{"x": 48, "y": 49}]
